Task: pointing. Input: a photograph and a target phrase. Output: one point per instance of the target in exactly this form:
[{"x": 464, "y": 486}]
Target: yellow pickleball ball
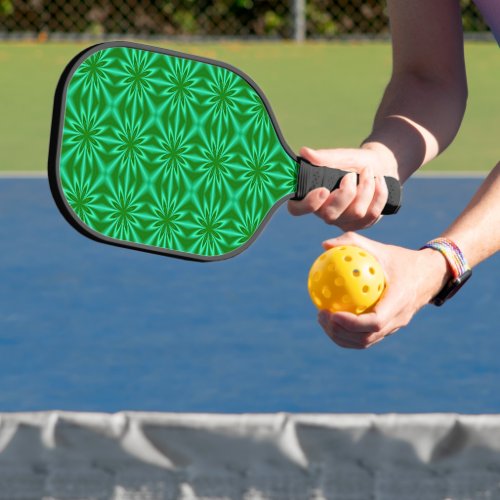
[{"x": 346, "y": 278}]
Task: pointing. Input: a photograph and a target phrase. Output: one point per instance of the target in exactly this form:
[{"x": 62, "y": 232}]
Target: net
[{"x": 159, "y": 456}]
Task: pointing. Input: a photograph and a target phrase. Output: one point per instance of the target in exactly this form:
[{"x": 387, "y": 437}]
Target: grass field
[{"x": 323, "y": 94}]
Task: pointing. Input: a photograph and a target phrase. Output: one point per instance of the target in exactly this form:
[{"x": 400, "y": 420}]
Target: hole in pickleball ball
[
  {"x": 379, "y": 287},
  {"x": 339, "y": 281},
  {"x": 327, "y": 293},
  {"x": 317, "y": 300},
  {"x": 336, "y": 306},
  {"x": 331, "y": 268},
  {"x": 362, "y": 254},
  {"x": 348, "y": 258},
  {"x": 360, "y": 309},
  {"x": 346, "y": 299},
  {"x": 366, "y": 289},
  {"x": 317, "y": 276},
  {"x": 356, "y": 273},
  {"x": 372, "y": 270}
]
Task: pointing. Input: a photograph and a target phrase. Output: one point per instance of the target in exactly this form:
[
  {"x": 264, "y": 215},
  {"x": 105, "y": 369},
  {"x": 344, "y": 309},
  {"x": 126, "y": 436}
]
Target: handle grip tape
[{"x": 312, "y": 177}]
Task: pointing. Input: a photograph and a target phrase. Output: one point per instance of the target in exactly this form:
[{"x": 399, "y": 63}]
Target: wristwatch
[{"x": 460, "y": 270}]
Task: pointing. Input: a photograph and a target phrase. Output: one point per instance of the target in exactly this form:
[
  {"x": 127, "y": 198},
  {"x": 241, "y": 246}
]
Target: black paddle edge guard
[
  {"x": 56, "y": 132},
  {"x": 312, "y": 177}
]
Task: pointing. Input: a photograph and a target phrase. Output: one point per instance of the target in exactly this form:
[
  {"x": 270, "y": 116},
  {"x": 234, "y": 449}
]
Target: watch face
[{"x": 451, "y": 288}]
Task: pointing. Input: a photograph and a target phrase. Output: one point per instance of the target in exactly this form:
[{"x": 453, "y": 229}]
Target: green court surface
[{"x": 323, "y": 94}]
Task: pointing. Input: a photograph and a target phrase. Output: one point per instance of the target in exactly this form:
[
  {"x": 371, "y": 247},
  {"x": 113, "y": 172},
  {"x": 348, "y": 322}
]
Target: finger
[
  {"x": 365, "y": 191},
  {"x": 366, "y": 209},
  {"x": 344, "y": 344},
  {"x": 351, "y": 340},
  {"x": 354, "y": 339},
  {"x": 341, "y": 340},
  {"x": 380, "y": 196},
  {"x": 338, "y": 157},
  {"x": 311, "y": 203},
  {"x": 338, "y": 201},
  {"x": 362, "y": 340},
  {"x": 348, "y": 338},
  {"x": 360, "y": 224},
  {"x": 338, "y": 334},
  {"x": 372, "y": 343},
  {"x": 393, "y": 332},
  {"x": 311, "y": 155},
  {"x": 384, "y": 318},
  {"x": 362, "y": 324},
  {"x": 391, "y": 312},
  {"x": 375, "y": 339}
]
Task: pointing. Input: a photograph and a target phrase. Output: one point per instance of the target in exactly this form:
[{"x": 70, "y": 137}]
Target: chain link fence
[{"x": 286, "y": 19}]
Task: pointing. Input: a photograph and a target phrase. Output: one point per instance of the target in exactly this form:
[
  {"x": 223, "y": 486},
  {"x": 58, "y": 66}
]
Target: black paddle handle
[{"x": 311, "y": 177}]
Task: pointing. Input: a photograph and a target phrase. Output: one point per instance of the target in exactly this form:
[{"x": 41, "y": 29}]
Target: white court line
[
  {"x": 23, "y": 174},
  {"x": 455, "y": 174}
]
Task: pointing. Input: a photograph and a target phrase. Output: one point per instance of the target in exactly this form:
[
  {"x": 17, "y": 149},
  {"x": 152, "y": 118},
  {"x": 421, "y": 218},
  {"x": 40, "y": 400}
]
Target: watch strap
[{"x": 458, "y": 265}]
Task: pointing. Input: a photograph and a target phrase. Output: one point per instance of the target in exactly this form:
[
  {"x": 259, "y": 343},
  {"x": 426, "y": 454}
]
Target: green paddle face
[{"x": 165, "y": 152}]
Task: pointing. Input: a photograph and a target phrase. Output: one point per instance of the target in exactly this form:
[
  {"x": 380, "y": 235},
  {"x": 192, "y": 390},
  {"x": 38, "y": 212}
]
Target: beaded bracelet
[
  {"x": 452, "y": 254},
  {"x": 460, "y": 269}
]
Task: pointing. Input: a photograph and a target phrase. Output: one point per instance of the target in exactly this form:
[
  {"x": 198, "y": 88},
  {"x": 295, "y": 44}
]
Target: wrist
[
  {"x": 437, "y": 272},
  {"x": 386, "y": 156}
]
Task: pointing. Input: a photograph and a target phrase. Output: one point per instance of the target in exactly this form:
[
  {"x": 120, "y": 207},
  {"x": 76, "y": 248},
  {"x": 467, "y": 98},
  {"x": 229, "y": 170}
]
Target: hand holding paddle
[{"x": 360, "y": 199}]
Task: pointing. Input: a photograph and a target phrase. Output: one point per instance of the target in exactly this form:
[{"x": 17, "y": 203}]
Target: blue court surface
[{"x": 91, "y": 327}]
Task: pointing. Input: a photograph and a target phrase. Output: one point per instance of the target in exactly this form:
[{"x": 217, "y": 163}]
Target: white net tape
[{"x": 160, "y": 456}]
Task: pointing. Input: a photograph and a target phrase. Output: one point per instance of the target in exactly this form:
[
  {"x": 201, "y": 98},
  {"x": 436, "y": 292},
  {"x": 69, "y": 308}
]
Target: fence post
[{"x": 299, "y": 20}]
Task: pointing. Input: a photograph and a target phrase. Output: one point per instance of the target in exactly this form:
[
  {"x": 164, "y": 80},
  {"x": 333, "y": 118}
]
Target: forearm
[
  {"x": 477, "y": 230},
  {"x": 424, "y": 103},
  {"x": 416, "y": 120}
]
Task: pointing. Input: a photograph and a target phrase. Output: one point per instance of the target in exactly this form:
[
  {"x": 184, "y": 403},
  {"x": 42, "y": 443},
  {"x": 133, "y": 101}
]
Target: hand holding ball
[{"x": 346, "y": 278}]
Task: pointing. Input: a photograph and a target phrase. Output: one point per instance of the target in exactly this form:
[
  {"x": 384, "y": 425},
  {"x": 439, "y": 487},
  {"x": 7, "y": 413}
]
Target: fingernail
[
  {"x": 346, "y": 179},
  {"x": 324, "y": 193}
]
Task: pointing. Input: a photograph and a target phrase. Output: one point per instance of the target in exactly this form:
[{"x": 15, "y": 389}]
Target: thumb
[
  {"x": 349, "y": 238},
  {"x": 377, "y": 249},
  {"x": 350, "y": 158}
]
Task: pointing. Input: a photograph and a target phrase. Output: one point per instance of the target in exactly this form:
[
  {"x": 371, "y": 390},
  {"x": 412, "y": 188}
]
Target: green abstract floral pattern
[{"x": 170, "y": 152}]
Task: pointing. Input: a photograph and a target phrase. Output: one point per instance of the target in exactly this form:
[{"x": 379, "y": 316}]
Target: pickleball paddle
[{"x": 171, "y": 153}]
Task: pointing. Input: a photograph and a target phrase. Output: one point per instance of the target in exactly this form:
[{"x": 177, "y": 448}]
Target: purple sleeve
[{"x": 490, "y": 9}]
